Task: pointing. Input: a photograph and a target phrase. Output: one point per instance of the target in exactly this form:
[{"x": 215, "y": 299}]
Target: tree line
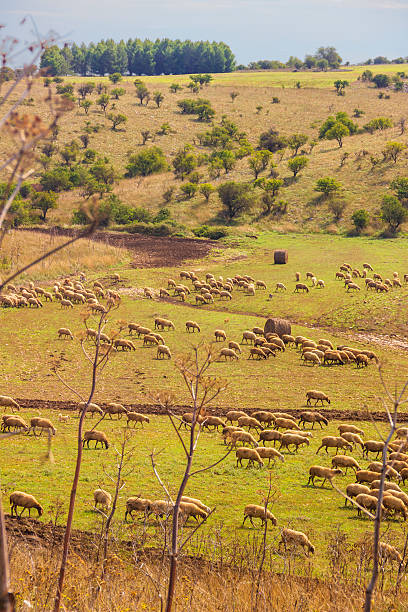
[{"x": 135, "y": 56}]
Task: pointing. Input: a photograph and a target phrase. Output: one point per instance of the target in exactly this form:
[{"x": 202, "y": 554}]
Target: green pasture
[
  {"x": 269, "y": 78},
  {"x": 316, "y": 511}
]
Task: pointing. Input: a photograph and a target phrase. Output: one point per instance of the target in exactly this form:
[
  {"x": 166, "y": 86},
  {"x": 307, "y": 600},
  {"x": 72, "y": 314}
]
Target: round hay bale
[
  {"x": 280, "y": 256},
  {"x": 277, "y": 326}
]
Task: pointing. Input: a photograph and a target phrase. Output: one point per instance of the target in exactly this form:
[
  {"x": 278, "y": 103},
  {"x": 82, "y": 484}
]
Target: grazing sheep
[
  {"x": 248, "y": 453},
  {"x": 160, "y": 323},
  {"x": 220, "y": 335},
  {"x": 373, "y": 446},
  {"x": 394, "y": 505},
  {"x": 284, "y": 423},
  {"x": 334, "y": 442},
  {"x": 404, "y": 475},
  {"x": 292, "y": 438},
  {"x": 312, "y": 417},
  {"x": 136, "y": 417},
  {"x": 346, "y": 462},
  {"x": 137, "y": 504},
  {"x": 317, "y": 471},
  {"x": 353, "y": 438},
  {"x": 114, "y": 408},
  {"x": 248, "y": 336},
  {"x": 253, "y": 511},
  {"x": 42, "y": 424},
  {"x": 270, "y": 435},
  {"x": 64, "y": 303},
  {"x": 270, "y": 453},
  {"x": 150, "y": 340},
  {"x": 98, "y": 436},
  {"x": 366, "y": 476},
  {"x": 257, "y": 352},
  {"x": 125, "y": 345},
  {"x": 233, "y": 415},
  {"x": 163, "y": 351},
  {"x": 401, "y": 495},
  {"x": 388, "y": 486},
  {"x": 25, "y": 501},
  {"x": 92, "y": 408},
  {"x": 260, "y": 284},
  {"x": 200, "y": 299},
  {"x": 192, "y": 325},
  {"x": 134, "y": 327},
  {"x": 280, "y": 287},
  {"x": 8, "y": 402},
  {"x": 242, "y": 436},
  {"x": 250, "y": 422},
  {"x": 103, "y": 498},
  {"x": 263, "y": 416},
  {"x": 15, "y": 422},
  {"x": 332, "y": 357},
  {"x": 401, "y": 432},
  {"x": 213, "y": 421},
  {"x": 64, "y": 332},
  {"x": 399, "y": 456},
  {"x": 288, "y": 339},
  {"x": 301, "y": 287},
  {"x": 197, "y": 502},
  {"x": 361, "y": 361},
  {"x": 290, "y": 537},
  {"x": 164, "y": 293},
  {"x": 311, "y": 358},
  {"x": 355, "y": 489},
  {"x": 320, "y": 284},
  {"x": 344, "y": 427},
  {"x": 234, "y": 346},
  {"x": 188, "y": 510},
  {"x": 388, "y": 553},
  {"x": 63, "y": 418},
  {"x": 187, "y": 419},
  {"x": 377, "y": 466},
  {"x": 369, "y": 502},
  {"x": 319, "y": 396},
  {"x": 228, "y": 430}
]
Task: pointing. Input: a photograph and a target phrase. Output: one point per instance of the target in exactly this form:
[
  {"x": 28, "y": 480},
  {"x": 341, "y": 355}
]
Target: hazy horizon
[{"x": 254, "y": 29}]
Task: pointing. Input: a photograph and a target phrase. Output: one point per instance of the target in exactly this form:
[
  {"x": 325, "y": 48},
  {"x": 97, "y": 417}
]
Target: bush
[
  {"x": 153, "y": 229},
  {"x": 296, "y": 164},
  {"x": 393, "y": 213},
  {"x": 115, "y": 211},
  {"x": 380, "y": 123},
  {"x": 381, "y": 80},
  {"x": 147, "y": 162},
  {"x": 212, "y": 233},
  {"x": 360, "y": 219},
  {"x": 189, "y": 190},
  {"x": 328, "y": 185},
  {"x": 57, "y": 179},
  {"x": 236, "y": 198},
  {"x": 200, "y": 107},
  {"x": 271, "y": 141}
]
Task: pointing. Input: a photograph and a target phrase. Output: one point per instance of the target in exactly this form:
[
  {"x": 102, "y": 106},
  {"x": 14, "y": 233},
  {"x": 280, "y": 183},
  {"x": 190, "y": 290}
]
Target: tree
[
  {"x": 360, "y": 219},
  {"x": 117, "y": 92},
  {"x": 147, "y": 162},
  {"x": 296, "y": 164},
  {"x": 103, "y": 102},
  {"x": 271, "y": 189},
  {"x": 258, "y": 162},
  {"x": 175, "y": 87},
  {"x": 392, "y": 212},
  {"x": 337, "y": 132},
  {"x": 381, "y": 80},
  {"x": 367, "y": 75},
  {"x": 234, "y": 95},
  {"x": 115, "y": 77},
  {"x": 236, "y": 198},
  {"x": 117, "y": 119},
  {"x": 296, "y": 141},
  {"x": 227, "y": 158},
  {"x": 104, "y": 172},
  {"x": 86, "y": 105},
  {"x": 158, "y": 97},
  {"x": 85, "y": 89},
  {"x": 322, "y": 64},
  {"x": 328, "y": 186},
  {"x": 340, "y": 86},
  {"x": 53, "y": 61},
  {"x": 339, "y": 118},
  {"x": 45, "y": 201},
  {"x": 271, "y": 141},
  {"x": 393, "y": 150},
  {"x": 330, "y": 55},
  {"x": 207, "y": 189},
  {"x": 189, "y": 189},
  {"x": 184, "y": 161},
  {"x": 379, "y": 123},
  {"x": 142, "y": 93},
  {"x": 70, "y": 152},
  {"x": 56, "y": 179},
  {"x": 337, "y": 207},
  {"x": 400, "y": 188}
]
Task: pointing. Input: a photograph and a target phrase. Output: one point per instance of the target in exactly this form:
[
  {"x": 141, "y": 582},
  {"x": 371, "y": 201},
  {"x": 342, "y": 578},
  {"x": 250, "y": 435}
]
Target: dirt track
[
  {"x": 148, "y": 251},
  {"x": 332, "y": 414}
]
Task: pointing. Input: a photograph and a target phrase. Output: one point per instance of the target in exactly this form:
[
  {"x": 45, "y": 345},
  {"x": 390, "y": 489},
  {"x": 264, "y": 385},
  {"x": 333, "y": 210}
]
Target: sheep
[
  {"x": 388, "y": 486},
  {"x": 8, "y": 402},
  {"x": 398, "y": 455},
  {"x": 64, "y": 303},
  {"x": 361, "y": 361},
  {"x": 233, "y": 415},
  {"x": 226, "y": 294},
  {"x": 277, "y": 342},
  {"x": 280, "y": 287},
  {"x": 92, "y": 408},
  {"x": 293, "y": 438},
  {"x": 264, "y": 416},
  {"x": 401, "y": 432},
  {"x": 103, "y": 498},
  {"x": 311, "y": 358},
  {"x": 125, "y": 345},
  {"x": 373, "y": 446},
  {"x": 288, "y": 339},
  {"x": 320, "y": 284},
  {"x": 285, "y": 423},
  {"x": 242, "y": 436},
  {"x": 257, "y": 352},
  {"x": 344, "y": 427},
  {"x": 42, "y": 424},
  {"x": 134, "y": 327},
  {"x": 260, "y": 284},
  {"x": 114, "y": 408},
  {"x": 301, "y": 287},
  {"x": 98, "y": 436},
  {"x": 316, "y": 471},
  {"x": 136, "y": 417},
  {"x": 137, "y": 504},
  {"x": 164, "y": 293},
  {"x": 346, "y": 462},
  {"x": 377, "y": 466},
  {"x": 296, "y": 538},
  {"x": 188, "y": 510},
  {"x": 392, "y": 503},
  {"x": 333, "y": 357},
  {"x": 366, "y": 476},
  {"x": 399, "y": 465},
  {"x": 388, "y": 552},
  {"x": 270, "y": 453},
  {"x": 252, "y": 511},
  {"x": 25, "y": 501},
  {"x": 220, "y": 335},
  {"x": 234, "y": 346},
  {"x": 248, "y": 336},
  {"x": 270, "y": 435},
  {"x": 160, "y": 323},
  {"x": 353, "y": 438},
  {"x": 354, "y": 489},
  {"x": 369, "y": 502},
  {"x": 213, "y": 421},
  {"x": 15, "y": 422},
  {"x": 63, "y": 418},
  {"x": 404, "y": 474},
  {"x": 187, "y": 419},
  {"x": 319, "y": 396},
  {"x": 64, "y": 332},
  {"x": 312, "y": 417},
  {"x": 248, "y": 453},
  {"x": 250, "y": 422},
  {"x": 334, "y": 442},
  {"x": 197, "y": 502},
  {"x": 163, "y": 351},
  {"x": 192, "y": 325},
  {"x": 401, "y": 495}
]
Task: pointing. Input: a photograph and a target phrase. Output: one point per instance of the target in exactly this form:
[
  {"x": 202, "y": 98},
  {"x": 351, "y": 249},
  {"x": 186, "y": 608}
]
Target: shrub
[
  {"x": 168, "y": 194},
  {"x": 400, "y": 188},
  {"x": 392, "y": 212},
  {"x": 360, "y": 219},
  {"x": 393, "y": 150},
  {"x": 381, "y": 80},
  {"x": 271, "y": 141},
  {"x": 184, "y": 161},
  {"x": 57, "y": 179},
  {"x": 380, "y": 123},
  {"x": 259, "y": 161},
  {"x": 342, "y": 118},
  {"x": 212, "y": 233},
  {"x": 236, "y": 198},
  {"x": 189, "y": 190},
  {"x": 296, "y": 164},
  {"x": 117, "y": 119},
  {"x": 207, "y": 189},
  {"x": 200, "y": 107},
  {"x": 115, "y": 77},
  {"x": 328, "y": 185},
  {"x": 147, "y": 162},
  {"x": 358, "y": 112},
  {"x": 296, "y": 141},
  {"x": 44, "y": 201},
  {"x": 337, "y": 207},
  {"x": 118, "y": 92}
]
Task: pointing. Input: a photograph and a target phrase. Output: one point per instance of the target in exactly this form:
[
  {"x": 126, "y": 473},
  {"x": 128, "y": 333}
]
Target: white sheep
[
  {"x": 98, "y": 436},
  {"x": 64, "y": 332},
  {"x": 163, "y": 351},
  {"x": 42, "y": 424},
  {"x": 248, "y": 453},
  {"x": 103, "y": 498},
  {"x": 290, "y": 537},
  {"x": 136, "y": 417},
  {"x": 8, "y": 402},
  {"x": 317, "y": 471},
  {"x": 25, "y": 501},
  {"x": 63, "y": 418},
  {"x": 252, "y": 511}
]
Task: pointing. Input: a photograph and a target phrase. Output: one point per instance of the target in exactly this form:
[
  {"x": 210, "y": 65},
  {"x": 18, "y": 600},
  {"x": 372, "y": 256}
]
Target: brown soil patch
[{"x": 148, "y": 251}]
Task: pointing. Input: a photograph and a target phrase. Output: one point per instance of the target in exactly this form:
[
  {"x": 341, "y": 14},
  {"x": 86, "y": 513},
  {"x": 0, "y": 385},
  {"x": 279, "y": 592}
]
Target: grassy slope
[{"x": 300, "y": 110}]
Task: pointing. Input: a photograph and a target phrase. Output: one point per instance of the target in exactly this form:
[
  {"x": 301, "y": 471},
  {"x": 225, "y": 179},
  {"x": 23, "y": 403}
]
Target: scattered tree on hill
[
  {"x": 337, "y": 128},
  {"x": 234, "y": 95},
  {"x": 379, "y": 123},
  {"x": 117, "y": 119},
  {"x": 158, "y": 97},
  {"x": 296, "y": 164},
  {"x": 227, "y": 158},
  {"x": 175, "y": 87},
  {"x": 85, "y": 89},
  {"x": 189, "y": 189},
  {"x": 400, "y": 188},
  {"x": 393, "y": 150},
  {"x": 337, "y": 132},
  {"x": 340, "y": 86},
  {"x": 184, "y": 161},
  {"x": 271, "y": 141},
  {"x": 259, "y": 160},
  {"x": 142, "y": 93},
  {"x": 328, "y": 186},
  {"x": 360, "y": 219},
  {"x": 146, "y": 135},
  {"x": 207, "y": 189},
  {"x": 337, "y": 207},
  {"x": 236, "y": 198},
  {"x": 70, "y": 152},
  {"x": 44, "y": 201},
  {"x": 270, "y": 188},
  {"x": 147, "y": 162},
  {"x": 56, "y": 179},
  {"x": 115, "y": 77},
  {"x": 296, "y": 141},
  {"x": 117, "y": 92},
  {"x": 200, "y": 107},
  {"x": 393, "y": 213},
  {"x": 381, "y": 80},
  {"x": 367, "y": 75},
  {"x": 103, "y": 102},
  {"x": 86, "y": 105}
]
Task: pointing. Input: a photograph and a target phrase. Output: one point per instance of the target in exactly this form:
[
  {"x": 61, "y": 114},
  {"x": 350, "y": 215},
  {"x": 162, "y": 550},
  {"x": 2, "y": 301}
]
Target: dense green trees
[
  {"x": 139, "y": 57},
  {"x": 149, "y": 161}
]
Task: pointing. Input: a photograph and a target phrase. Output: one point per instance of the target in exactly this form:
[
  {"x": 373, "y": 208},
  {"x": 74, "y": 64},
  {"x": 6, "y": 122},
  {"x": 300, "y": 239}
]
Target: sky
[{"x": 254, "y": 29}]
